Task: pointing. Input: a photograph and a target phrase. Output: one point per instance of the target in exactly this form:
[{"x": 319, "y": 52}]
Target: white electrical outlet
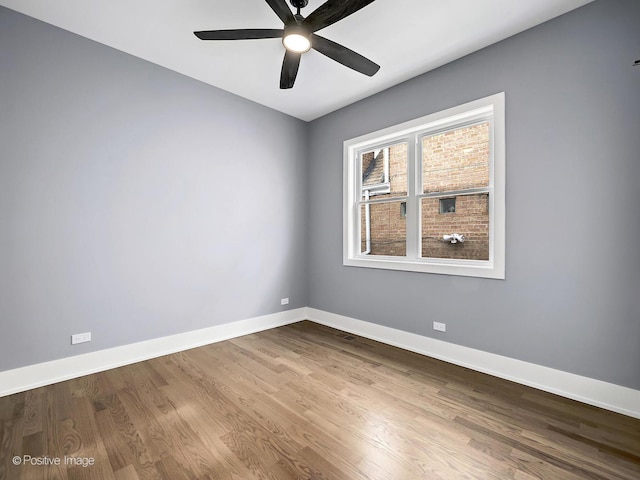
[
  {"x": 441, "y": 327},
  {"x": 284, "y": 301},
  {"x": 80, "y": 338}
]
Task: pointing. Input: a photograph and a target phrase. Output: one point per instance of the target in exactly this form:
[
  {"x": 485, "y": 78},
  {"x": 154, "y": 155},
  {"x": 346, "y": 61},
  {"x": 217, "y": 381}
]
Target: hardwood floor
[{"x": 307, "y": 402}]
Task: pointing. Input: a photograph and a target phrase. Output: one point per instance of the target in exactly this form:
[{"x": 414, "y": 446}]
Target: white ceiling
[{"x": 405, "y": 37}]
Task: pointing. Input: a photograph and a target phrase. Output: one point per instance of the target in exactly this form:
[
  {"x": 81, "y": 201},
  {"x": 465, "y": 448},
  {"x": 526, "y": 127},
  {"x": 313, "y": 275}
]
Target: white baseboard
[
  {"x": 33, "y": 376},
  {"x": 587, "y": 390}
]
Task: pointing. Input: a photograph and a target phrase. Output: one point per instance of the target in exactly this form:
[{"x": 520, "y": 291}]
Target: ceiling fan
[{"x": 298, "y": 36}]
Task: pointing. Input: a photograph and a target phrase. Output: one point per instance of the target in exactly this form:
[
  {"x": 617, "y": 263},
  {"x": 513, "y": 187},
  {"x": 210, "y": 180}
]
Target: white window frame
[{"x": 491, "y": 109}]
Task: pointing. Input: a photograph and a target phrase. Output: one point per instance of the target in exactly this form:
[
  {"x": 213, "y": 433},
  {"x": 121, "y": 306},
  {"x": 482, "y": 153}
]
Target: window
[
  {"x": 448, "y": 205},
  {"x": 429, "y": 195}
]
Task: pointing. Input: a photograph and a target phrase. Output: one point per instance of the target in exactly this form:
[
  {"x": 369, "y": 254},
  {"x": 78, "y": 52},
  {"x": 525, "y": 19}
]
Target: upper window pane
[
  {"x": 456, "y": 160},
  {"x": 384, "y": 172}
]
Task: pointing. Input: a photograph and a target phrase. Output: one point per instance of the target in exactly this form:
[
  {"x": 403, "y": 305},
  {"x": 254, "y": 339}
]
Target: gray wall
[
  {"x": 571, "y": 297},
  {"x": 135, "y": 202}
]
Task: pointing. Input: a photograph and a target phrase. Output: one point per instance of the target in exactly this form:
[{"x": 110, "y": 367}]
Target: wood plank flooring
[{"x": 307, "y": 402}]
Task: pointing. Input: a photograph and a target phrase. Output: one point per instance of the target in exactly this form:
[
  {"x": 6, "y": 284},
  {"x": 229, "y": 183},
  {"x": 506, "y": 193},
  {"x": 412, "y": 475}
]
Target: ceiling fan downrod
[{"x": 298, "y": 4}]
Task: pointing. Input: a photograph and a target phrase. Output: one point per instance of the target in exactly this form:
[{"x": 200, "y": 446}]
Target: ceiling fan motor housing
[{"x": 299, "y": 3}]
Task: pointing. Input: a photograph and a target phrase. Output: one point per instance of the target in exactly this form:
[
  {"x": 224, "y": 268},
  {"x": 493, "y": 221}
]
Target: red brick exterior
[
  {"x": 454, "y": 160},
  {"x": 470, "y": 219},
  {"x": 388, "y": 230}
]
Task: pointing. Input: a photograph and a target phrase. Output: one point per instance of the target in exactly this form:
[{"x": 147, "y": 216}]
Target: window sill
[{"x": 465, "y": 268}]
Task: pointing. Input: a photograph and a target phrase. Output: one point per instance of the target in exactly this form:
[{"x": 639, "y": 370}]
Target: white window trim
[{"x": 492, "y": 107}]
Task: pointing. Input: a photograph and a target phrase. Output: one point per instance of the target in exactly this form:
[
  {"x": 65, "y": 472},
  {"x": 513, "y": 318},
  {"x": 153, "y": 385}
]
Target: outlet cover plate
[
  {"x": 80, "y": 338},
  {"x": 440, "y": 327}
]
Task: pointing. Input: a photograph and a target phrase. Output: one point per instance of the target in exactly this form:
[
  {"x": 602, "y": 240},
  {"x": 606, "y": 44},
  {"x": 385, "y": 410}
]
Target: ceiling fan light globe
[{"x": 296, "y": 42}]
